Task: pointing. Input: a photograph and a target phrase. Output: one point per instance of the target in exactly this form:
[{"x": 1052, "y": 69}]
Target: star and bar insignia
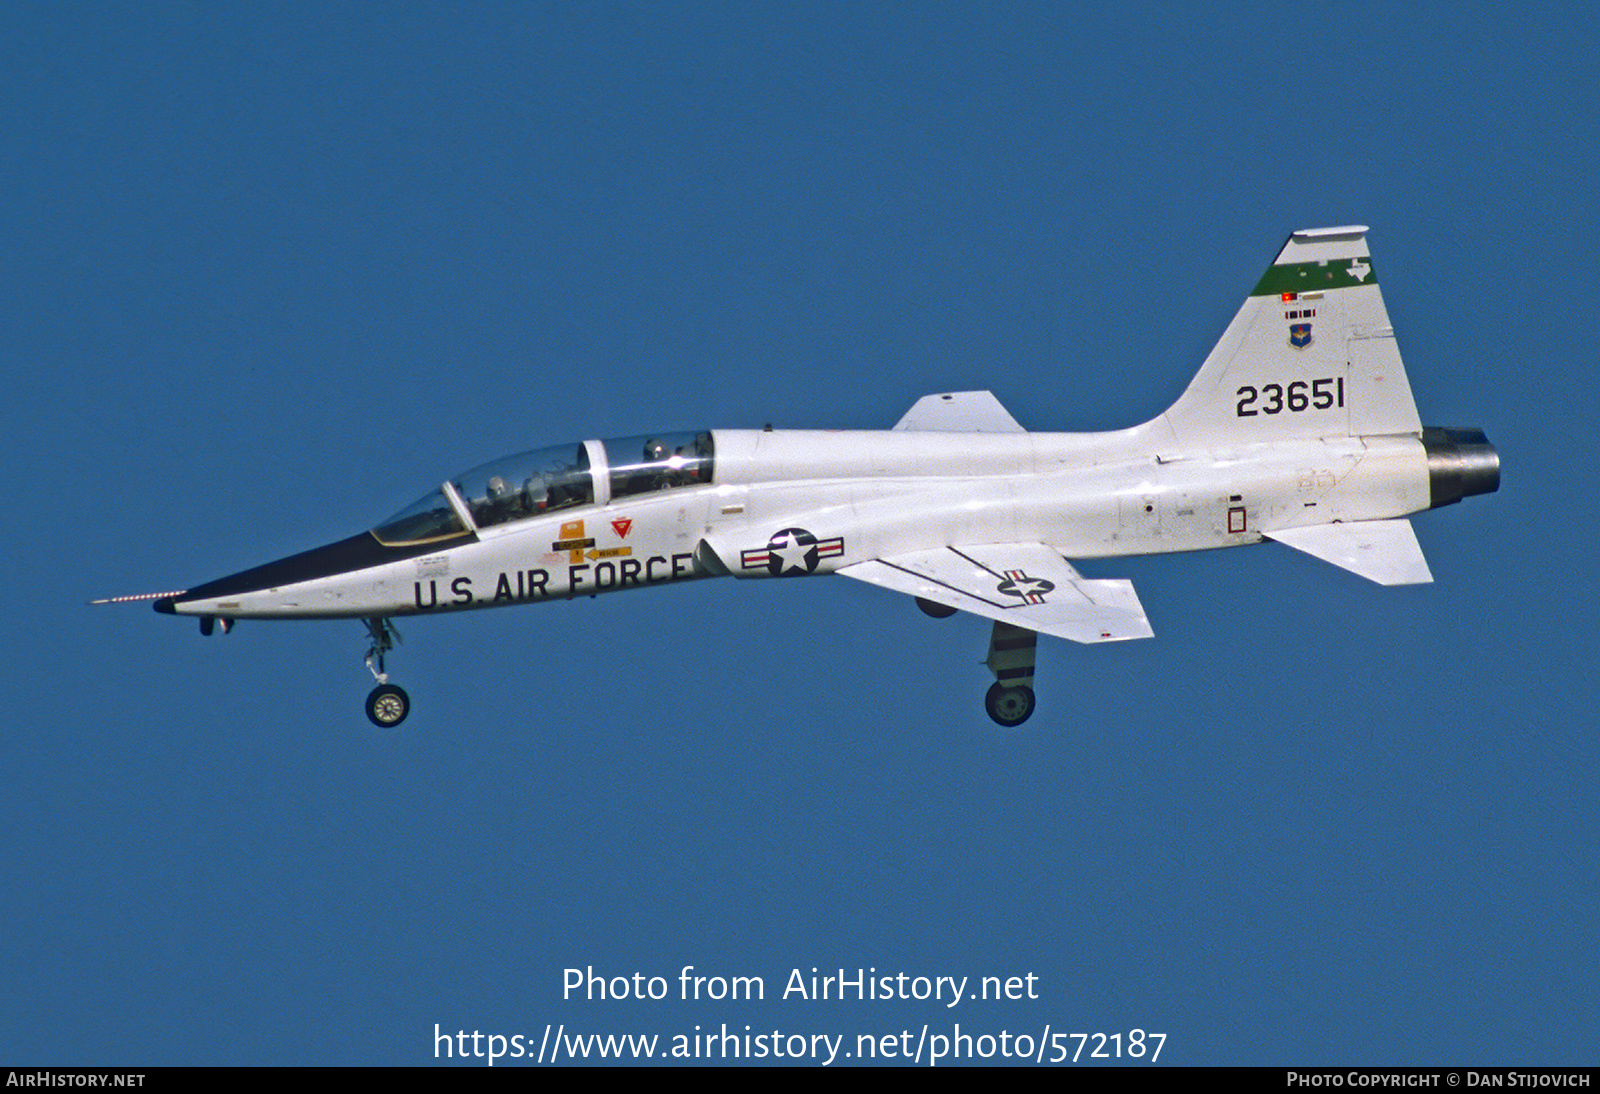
[
  {"x": 791, "y": 551},
  {"x": 1030, "y": 589}
]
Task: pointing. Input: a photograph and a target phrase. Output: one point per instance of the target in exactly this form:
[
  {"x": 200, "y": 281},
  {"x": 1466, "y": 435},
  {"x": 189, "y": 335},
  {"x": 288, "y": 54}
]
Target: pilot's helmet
[
  {"x": 654, "y": 451},
  {"x": 497, "y": 487},
  {"x": 537, "y": 493}
]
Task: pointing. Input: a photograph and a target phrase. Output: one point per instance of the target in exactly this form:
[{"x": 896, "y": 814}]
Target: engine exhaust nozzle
[{"x": 1461, "y": 462}]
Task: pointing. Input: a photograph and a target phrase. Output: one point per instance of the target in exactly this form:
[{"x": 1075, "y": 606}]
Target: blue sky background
[{"x": 271, "y": 273}]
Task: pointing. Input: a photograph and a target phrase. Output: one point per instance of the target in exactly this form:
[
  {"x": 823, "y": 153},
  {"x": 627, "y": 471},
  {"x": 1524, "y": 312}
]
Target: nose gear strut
[{"x": 387, "y": 704}]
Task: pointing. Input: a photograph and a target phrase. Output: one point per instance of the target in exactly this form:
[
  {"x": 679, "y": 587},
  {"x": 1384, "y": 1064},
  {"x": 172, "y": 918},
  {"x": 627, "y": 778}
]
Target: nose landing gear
[{"x": 387, "y": 704}]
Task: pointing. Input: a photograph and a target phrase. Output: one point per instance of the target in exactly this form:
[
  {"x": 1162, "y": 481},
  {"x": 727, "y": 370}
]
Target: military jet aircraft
[{"x": 1299, "y": 427}]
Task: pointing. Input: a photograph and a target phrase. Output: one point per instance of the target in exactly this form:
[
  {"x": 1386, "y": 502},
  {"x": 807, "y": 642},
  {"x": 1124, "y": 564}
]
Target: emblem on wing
[{"x": 1030, "y": 589}]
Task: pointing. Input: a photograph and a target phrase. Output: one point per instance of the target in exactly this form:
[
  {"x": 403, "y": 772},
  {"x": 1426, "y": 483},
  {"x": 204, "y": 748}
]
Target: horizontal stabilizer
[
  {"x": 1385, "y": 551},
  {"x": 1027, "y": 585},
  {"x": 960, "y": 412}
]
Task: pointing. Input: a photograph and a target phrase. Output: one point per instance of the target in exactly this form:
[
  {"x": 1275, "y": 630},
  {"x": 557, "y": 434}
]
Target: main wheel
[
  {"x": 935, "y": 609},
  {"x": 388, "y": 705},
  {"x": 1009, "y": 706}
]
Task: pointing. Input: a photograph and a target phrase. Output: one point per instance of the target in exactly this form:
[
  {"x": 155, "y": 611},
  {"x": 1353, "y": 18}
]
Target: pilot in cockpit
[
  {"x": 498, "y": 504},
  {"x": 537, "y": 495},
  {"x": 658, "y": 474}
]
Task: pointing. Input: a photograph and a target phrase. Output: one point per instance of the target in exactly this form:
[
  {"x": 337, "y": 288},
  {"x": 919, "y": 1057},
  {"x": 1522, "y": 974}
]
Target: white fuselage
[{"x": 866, "y": 495}]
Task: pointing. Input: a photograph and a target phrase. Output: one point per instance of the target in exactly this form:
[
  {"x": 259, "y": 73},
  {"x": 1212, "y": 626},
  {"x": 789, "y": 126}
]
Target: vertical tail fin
[{"x": 1310, "y": 354}]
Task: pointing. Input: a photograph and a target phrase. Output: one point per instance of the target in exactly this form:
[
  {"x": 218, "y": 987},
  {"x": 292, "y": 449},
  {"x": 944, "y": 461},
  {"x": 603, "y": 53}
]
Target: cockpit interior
[{"x": 545, "y": 480}]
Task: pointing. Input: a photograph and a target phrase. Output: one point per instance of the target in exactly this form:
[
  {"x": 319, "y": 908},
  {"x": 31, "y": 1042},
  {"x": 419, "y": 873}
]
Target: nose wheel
[{"x": 387, "y": 704}]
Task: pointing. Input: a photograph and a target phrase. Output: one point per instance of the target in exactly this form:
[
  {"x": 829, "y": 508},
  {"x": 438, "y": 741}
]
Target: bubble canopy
[{"x": 546, "y": 480}]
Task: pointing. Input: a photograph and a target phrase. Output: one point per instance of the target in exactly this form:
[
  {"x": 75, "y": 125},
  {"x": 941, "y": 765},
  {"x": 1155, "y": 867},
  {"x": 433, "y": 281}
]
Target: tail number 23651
[{"x": 1323, "y": 394}]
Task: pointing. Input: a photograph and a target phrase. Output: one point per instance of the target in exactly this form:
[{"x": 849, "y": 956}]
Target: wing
[
  {"x": 1027, "y": 585},
  {"x": 960, "y": 412}
]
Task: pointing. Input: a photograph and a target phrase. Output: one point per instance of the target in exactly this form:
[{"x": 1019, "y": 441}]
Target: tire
[
  {"x": 1009, "y": 706},
  {"x": 387, "y": 706},
  {"x": 937, "y": 610}
]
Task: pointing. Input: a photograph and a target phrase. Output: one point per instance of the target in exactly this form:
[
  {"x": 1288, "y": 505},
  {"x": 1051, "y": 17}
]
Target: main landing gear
[
  {"x": 387, "y": 704},
  {"x": 1009, "y": 706},
  {"x": 1011, "y": 659},
  {"x": 1011, "y": 654}
]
